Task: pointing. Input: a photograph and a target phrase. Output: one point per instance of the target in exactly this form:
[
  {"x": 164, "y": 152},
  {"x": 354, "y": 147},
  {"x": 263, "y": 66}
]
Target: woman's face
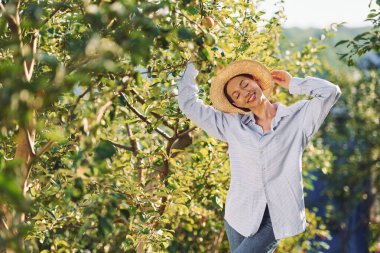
[{"x": 244, "y": 91}]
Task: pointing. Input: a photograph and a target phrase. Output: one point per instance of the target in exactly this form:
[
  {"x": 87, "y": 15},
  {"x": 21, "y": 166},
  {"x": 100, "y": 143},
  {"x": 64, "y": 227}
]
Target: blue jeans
[{"x": 262, "y": 241}]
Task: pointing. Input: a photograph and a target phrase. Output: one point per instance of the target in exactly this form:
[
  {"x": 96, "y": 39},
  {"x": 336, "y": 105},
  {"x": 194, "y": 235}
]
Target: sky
[{"x": 321, "y": 13}]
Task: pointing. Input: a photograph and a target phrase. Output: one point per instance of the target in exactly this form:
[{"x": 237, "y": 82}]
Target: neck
[{"x": 265, "y": 111}]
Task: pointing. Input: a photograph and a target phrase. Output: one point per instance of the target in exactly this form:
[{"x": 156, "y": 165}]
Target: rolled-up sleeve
[
  {"x": 206, "y": 117},
  {"x": 325, "y": 94}
]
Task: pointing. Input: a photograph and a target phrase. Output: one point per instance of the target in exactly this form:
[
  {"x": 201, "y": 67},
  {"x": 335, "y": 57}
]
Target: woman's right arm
[{"x": 206, "y": 117}]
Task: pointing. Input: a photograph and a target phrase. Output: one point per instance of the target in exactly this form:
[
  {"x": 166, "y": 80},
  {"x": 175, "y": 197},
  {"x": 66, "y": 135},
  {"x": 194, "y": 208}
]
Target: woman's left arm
[{"x": 325, "y": 94}]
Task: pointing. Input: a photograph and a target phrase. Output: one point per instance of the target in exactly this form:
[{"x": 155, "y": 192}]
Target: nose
[{"x": 246, "y": 94}]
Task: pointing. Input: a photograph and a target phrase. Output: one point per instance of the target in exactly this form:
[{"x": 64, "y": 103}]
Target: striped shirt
[{"x": 265, "y": 168}]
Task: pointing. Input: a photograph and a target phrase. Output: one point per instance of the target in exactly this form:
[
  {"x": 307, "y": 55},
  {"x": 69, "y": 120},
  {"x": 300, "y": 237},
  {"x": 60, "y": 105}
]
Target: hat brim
[{"x": 244, "y": 66}]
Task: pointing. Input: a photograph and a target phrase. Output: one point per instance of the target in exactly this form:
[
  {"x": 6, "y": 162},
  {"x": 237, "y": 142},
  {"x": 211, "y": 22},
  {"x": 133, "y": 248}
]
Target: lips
[{"x": 252, "y": 97}]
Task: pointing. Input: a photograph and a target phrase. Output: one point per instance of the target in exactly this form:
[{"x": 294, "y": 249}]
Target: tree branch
[
  {"x": 5, "y": 224},
  {"x": 143, "y": 118},
  {"x": 30, "y": 142},
  {"x": 39, "y": 152},
  {"x": 12, "y": 20},
  {"x": 79, "y": 98},
  {"x": 52, "y": 14},
  {"x": 18, "y": 6},
  {"x": 109, "y": 102},
  {"x": 121, "y": 146},
  {"x": 142, "y": 101},
  {"x": 44, "y": 148},
  {"x": 102, "y": 111},
  {"x": 168, "y": 68},
  {"x": 180, "y": 134},
  {"x": 29, "y": 66},
  {"x": 191, "y": 21},
  {"x": 133, "y": 141},
  {"x": 2, "y": 8}
]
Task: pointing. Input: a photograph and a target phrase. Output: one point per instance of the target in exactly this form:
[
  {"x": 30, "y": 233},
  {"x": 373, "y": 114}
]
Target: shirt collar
[{"x": 282, "y": 111}]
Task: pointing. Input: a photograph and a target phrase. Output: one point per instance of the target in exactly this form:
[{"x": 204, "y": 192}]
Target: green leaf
[
  {"x": 341, "y": 42},
  {"x": 55, "y": 133},
  {"x": 138, "y": 78},
  {"x": 193, "y": 9},
  {"x": 342, "y": 56},
  {"x": 152, "y": 7},
  {"x": 105, "y": 149},
  {"x": 10, "y": 190},
  {"x": 104, "y": 226},
  {"x": 372, "y": 15},
  {"x": 320, "y": 47},
  {"x": 360, "y": 36},
  {"x": 61, "y": 243},
  {"x": 244, "y": 46},
  {"x": 184, "y": 33},
  {"x": 145, "y": 231},
  {"x": 203, "y": 53},
  {"x": 217, "y": 202}
]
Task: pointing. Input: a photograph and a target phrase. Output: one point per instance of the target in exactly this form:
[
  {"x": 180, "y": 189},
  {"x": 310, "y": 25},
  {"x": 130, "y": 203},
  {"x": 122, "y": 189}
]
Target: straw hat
[{"x": 243, "y": 66}]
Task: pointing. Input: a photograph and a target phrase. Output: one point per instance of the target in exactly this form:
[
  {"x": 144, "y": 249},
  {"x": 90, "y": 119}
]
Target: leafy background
[{"x": 97, "y": 157}]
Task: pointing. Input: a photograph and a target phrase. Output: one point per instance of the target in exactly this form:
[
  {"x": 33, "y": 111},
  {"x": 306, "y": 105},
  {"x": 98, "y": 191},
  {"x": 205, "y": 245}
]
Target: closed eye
[{"x": 243, "y": 87}]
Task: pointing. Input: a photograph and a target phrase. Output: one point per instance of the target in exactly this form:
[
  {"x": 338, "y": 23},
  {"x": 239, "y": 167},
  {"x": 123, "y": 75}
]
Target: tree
[
  {"x": 366, "y": 41},
  {"x": 356, "y": 131},
  {"x": 95, "y": 152}
]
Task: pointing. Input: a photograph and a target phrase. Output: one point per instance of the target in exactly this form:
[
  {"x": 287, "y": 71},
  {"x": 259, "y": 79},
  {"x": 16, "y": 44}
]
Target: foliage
[
  {"x": 357, "y": 131},
  {"x": 354, "y": 139},
  {"x": 366, "y": 41},
  {"x": 330, "y": 36},
  {"x": 115, "y": 165}
]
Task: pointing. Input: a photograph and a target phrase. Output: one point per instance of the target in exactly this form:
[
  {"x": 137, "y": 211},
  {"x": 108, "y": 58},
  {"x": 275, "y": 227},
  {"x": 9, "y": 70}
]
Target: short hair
[{"x": 228, "y": 96}]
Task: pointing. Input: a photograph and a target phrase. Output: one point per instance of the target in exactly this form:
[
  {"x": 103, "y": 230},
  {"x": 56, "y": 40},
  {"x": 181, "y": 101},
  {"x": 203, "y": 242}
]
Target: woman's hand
[{"x": 281, "y": 77}]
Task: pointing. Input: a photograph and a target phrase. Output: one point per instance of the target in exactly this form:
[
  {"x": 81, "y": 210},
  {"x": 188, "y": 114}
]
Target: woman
[{"x": 265, "y": 200}]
